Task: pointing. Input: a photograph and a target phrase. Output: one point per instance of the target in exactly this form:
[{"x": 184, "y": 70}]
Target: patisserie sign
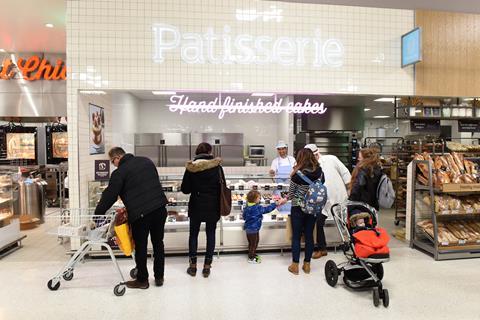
[
  {"x": 228, "y": 105},
  {"x": 225, "y": 47}
]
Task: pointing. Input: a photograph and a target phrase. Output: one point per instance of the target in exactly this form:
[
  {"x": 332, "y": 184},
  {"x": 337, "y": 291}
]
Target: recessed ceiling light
[
  {"x": 468, "y": 99},
  {"x": 262, "y": 94},
  {"x": 48, "y": 25},
  {"x": 381, "y": 117},
  {"x": 418, "y": 111},
  {"x": 391, "y": 100},
  {"x": 2, "y": 50},
  {"x": 367, "y": 109},
  {"x": 165, "y": 93},
  {"x": 92, "y": 92}
]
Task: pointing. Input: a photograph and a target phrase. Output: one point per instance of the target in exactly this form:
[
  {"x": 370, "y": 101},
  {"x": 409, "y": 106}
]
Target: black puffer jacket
[
  {"x": 137, "y": 183},
  {"x": 364, "y": 188},
  {"x": 202, "y": 181}
]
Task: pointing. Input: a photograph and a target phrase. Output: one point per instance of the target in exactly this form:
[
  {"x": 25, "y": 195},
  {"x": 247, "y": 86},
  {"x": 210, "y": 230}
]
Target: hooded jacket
[
  {"x": 364, "y": 188},
  {"x": 253, "y": 216},
  {"x": 137, "y": 183},
  {"x": 202, "y": 181}
]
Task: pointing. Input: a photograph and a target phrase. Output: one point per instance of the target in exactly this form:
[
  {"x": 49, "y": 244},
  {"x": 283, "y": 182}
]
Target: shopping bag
[
  {"x": 123, "y": 234},
  {"x": 289, "y": 232}
]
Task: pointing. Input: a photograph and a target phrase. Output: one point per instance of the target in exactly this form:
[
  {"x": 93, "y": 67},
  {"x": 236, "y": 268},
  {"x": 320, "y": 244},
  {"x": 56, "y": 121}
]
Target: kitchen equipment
[
  {"x": 164, "y": 149},
  {"x": 228, "y": 146},
  {"x": 256, "y": 151},
  {"x": 29, "y": 199}
]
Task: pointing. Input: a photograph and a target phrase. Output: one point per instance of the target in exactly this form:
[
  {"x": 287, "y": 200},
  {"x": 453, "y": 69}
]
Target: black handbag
[{"x": 225, "y": 195}]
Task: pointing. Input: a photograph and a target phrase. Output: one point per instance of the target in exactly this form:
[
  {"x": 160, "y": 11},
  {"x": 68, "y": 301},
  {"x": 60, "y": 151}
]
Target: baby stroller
[{"x": 369, "y": 250}]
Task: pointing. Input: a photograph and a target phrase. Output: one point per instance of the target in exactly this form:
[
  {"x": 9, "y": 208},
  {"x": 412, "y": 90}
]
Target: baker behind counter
[{"x": 282, "y": 165}]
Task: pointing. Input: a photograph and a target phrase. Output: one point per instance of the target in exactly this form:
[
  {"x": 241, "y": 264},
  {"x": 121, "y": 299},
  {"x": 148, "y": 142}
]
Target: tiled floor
[{"x": 420, "y": 288}]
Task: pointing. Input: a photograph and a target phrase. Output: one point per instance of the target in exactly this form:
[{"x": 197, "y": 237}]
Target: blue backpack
[{"x": 316, "y": 196}]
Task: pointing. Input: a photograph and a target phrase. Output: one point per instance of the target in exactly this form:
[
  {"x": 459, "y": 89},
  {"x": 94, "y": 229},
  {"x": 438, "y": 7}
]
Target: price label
[
  {"x": 267, "y": 187},
  {"x": 455, "y": 211},
  {"x": 267, "y": 201},
  {"x": 461, "y": 242},
  {"x": 469, "y": 211},
  {"x": 241, "y": 187},
  {"x": 279, "y": 187},
  {"x": 240, "y": 202},
  {"x": 445, "y": 212},
  {"x": 231, "y": 187},
  {"x": 444, "y": 243},
  {"x": 255, "y": 188}
]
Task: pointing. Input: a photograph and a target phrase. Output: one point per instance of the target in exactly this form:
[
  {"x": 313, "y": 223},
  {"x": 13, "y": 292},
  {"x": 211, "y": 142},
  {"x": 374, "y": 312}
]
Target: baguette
[{"x": 458, "y": 157}]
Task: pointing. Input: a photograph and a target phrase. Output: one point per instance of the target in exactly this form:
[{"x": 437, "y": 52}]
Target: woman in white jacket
[{"x": 337, "y": 177}]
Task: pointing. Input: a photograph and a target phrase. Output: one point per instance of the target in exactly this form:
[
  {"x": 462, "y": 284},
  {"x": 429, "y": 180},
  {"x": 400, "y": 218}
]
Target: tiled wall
[{"x": 110, "y": 44}]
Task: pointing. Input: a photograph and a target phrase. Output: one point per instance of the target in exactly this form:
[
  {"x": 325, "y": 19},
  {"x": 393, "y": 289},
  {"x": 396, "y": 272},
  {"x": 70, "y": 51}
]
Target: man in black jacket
[{"x": 137, "y": 183}]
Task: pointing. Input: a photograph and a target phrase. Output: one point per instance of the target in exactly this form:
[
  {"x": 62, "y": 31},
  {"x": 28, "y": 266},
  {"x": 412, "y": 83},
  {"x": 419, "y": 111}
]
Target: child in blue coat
[{"x": 253, "y": 216}]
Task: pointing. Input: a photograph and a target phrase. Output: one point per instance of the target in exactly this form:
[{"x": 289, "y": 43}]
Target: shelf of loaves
[{"x": 453, "y": 233}]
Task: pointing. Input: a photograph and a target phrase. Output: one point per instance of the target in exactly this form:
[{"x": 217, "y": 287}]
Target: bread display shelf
[
  {"x": 453, "y": 214},
  {"x": 461, "y": 187}
]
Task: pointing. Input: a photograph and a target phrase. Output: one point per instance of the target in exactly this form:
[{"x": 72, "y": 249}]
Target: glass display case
[
  {"x": 230, "y": 233},
  {"x": 10, "y": 237}
]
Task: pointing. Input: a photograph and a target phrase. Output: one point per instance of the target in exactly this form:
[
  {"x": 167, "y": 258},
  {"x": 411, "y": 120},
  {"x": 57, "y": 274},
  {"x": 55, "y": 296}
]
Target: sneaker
[
  {"x": 259, "y": 258},
  {"x": 254, "y": 260},
  {"x": 135, "y": 284}
]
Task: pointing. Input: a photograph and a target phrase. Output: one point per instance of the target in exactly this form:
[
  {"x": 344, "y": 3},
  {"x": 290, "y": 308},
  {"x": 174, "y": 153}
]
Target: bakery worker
[
  {"x": 337, "y": 177},
  {"x": 282, "y": 165}
]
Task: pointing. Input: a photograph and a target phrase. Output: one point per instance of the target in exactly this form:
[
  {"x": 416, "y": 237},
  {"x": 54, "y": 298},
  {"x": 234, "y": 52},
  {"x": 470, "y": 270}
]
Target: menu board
[
  {"x": 60, "y": 145},
  {"x": 20, "y": 146}
]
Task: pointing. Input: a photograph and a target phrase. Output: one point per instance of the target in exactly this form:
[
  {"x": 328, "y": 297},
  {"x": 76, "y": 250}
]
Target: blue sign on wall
[{"x": 412, "y": 47}]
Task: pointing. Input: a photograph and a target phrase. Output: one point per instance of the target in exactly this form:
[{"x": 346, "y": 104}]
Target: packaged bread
[
  {"x": 441, "y": 203},
  {"x": 454, "y": 203},
  {"x": 458, "y": 157}
]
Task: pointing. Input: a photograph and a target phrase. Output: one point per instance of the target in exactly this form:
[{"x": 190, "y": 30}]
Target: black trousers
[
  {"x": 153, "y": 224},
  {"x": 210, "y": 229},
  {"x": 253, "y": 239},
  {"x": 321, "y": 241}
]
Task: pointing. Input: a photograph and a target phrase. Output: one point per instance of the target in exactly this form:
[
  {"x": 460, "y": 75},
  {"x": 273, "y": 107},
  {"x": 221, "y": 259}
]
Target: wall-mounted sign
[
  {"x": 244, "y": 48},
  {"x": 33, "y": 68},
  {"x": 468, "y": 126},
  {"x": 102, "y": 170},
  {"x": 425, "y": 125},
  {"x": 97, "y": 128},
  {"x": 229, "y": 105},
  {"x": 20, "y": 146}
]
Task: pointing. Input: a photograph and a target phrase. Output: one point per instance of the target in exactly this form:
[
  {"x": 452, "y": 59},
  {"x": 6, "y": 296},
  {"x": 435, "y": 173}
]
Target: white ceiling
[
  {"x": 467, "y": 6},
  {"x": 22, "y": 25}
]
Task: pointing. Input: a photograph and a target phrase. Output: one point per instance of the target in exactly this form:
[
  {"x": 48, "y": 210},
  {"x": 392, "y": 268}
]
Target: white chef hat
[
  {"x": 312, "y": 147},
  {"x": 281, "y": 144}
]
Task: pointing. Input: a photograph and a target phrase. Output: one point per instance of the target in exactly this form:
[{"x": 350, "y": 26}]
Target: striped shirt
[{"x": 299, "y": 188}]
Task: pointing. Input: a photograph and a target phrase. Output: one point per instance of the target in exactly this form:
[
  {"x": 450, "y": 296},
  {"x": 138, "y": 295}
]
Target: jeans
[
  {"x": 153, "y": 223},
  {"x": 253, "y": 239},
  {"x": 302, "y": 223},
  {"x": 210, "y": 229},
  {"x": 321, "y": 244}
]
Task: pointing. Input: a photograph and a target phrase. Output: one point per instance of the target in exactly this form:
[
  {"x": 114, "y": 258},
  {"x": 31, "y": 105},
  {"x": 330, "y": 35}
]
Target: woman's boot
[
  {"x": 206, "y": 267},
  {"x": 293, "y": 268},
  {"x": 192, "y": 269}
]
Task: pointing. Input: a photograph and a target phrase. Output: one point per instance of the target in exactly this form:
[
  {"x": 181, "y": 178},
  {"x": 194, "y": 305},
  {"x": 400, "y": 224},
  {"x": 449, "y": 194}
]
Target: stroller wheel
[
  {"x": 331, "y": 273},
  {"x": 53, "y": 284},
  {"x": 385, "y": 298},
  {"x": 378, "y": 270},
  {"x": 376, "y": 297}
]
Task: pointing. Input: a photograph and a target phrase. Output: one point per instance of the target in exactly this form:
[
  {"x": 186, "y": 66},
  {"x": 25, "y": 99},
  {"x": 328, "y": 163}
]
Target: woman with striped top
[{"x": 302, "y": 222}]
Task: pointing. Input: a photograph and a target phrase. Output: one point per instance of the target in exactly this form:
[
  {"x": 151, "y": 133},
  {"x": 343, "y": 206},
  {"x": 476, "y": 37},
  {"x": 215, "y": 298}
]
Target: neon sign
[
  {"x": 33, "y": 68},
  {"x": 227, "y": 48},
  {"x": 229, "y": 105}
]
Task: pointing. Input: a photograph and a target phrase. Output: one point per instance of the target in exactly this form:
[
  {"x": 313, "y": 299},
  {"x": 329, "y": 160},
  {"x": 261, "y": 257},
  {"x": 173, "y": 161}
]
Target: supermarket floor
[{"x": 420, "y": 288}]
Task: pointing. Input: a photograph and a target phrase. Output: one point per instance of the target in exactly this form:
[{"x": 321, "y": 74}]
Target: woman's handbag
[{"x": 225, "y": 195}]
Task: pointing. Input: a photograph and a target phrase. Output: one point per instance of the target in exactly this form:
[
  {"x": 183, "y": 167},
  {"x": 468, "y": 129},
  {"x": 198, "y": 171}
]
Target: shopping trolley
[{"x": 93, "y": 232}]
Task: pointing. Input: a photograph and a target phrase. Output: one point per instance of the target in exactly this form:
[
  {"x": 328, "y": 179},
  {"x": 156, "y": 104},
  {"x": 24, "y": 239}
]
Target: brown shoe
[
  {"x": 293, "y": 268},
  {"x": 320, "y": 253},
  {"x": 135, "y": 284},
  {"x": 306, "y": 267}
]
